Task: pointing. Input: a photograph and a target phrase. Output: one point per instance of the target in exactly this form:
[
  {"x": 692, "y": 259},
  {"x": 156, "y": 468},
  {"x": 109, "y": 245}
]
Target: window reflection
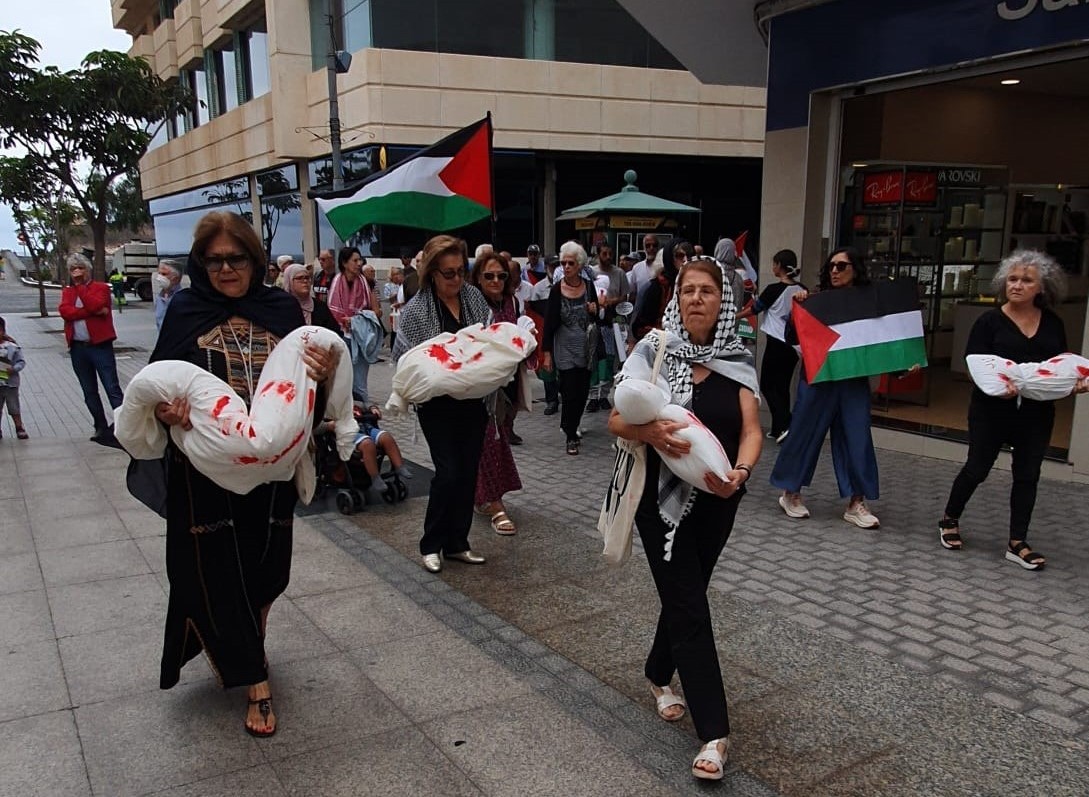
[
  {"x": 281, "y": 225},
  {"x": 605, "y": 32}
]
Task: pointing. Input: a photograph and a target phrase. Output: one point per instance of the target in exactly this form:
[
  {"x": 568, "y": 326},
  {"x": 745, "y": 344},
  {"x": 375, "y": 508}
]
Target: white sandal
[
  {"x": 667, "y": 699},
  {"x": 709, "y": 754}
]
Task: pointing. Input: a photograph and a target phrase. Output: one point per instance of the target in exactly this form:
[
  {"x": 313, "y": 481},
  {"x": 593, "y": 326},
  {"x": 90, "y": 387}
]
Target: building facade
[
  {"x": 578, "y": 89},
  {"x": 935, "y": 136}
]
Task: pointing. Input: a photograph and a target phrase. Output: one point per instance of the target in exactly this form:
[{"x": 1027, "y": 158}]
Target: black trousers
[
  {"x": 575, "y": 387},
  {"x": 1028, "y": 433},
  {"x": 454, "y": 430},
  {"x": 684, "y": 641},
  {"x": 776, "y": 373}
]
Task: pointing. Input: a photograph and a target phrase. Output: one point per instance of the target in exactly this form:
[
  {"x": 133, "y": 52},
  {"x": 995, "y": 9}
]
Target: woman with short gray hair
[
  {"x": 1023, "y": 329},
  {"x": 571, "y": 307}
]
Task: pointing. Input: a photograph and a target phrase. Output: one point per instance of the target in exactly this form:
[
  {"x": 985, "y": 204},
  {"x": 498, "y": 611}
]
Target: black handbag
[{"x": 146, "y": 480}]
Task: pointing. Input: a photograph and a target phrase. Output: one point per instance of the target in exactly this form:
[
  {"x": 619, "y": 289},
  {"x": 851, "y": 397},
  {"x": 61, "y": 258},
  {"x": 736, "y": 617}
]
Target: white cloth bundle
[
  {"x": 1046, "y": 381},
  {"x": 639, "y": 401},
  {"x": 472, "y": 363},
  {"x": 237, "y": 448}
]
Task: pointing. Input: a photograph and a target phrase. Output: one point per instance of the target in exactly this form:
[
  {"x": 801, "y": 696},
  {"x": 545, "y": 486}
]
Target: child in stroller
[{"x": 361, "y": 480}]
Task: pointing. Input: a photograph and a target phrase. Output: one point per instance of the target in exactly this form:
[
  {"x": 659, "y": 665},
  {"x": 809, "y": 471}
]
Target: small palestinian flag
[
  {"x": 850, "y": 332},
  {"x": 443, "y": 187}
]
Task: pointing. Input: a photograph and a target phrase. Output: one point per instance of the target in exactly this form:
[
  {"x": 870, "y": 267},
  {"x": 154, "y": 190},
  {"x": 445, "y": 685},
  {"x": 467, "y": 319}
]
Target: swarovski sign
[{"x": 1022, "y": 8}]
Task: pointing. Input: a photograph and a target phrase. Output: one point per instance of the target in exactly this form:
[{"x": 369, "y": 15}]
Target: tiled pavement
[{"x": 857, "y": 662}]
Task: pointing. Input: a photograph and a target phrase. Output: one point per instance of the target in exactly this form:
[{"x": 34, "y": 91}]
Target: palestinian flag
[
  {"x": 443, "y": 187},
  {"x": 849, "y": 332}
]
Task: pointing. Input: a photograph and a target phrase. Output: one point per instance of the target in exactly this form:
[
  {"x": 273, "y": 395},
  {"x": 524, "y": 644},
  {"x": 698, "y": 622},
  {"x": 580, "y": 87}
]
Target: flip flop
[{"x": 264, "y": 706}]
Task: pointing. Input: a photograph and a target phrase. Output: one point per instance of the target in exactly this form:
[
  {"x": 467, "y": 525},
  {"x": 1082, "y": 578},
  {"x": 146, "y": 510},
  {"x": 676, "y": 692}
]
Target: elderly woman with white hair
[
  {"x": 165, "y": 282},
  {"x": 1023, "y": 329},
  {"x": 571, "y": 309}
]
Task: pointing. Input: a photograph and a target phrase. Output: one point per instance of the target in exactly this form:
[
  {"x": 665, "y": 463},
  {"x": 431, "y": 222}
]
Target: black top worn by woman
[
  {"x": 227, "y": 555},
  {"x": 716, "y": 401},
  {"x": 996, "y": 333}
]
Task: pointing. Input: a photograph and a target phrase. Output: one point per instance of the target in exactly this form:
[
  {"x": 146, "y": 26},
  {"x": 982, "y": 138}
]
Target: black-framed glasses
[
  {"x": 303, "y": 277},
  {"x": 492, "y": 276},
  {"x": 452, "y": 273},
  {"x": 839, "y": 265},
  {"x": 215, "y": 263}
]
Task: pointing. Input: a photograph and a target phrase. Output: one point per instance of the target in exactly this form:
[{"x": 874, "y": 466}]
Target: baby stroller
[{"x": 350, "y": 479}]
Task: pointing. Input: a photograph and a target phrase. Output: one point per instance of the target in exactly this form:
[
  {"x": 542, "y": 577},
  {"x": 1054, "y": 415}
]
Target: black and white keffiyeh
[
  {"x": 420, "y": 319},
  {"x": 726, "y": 355}
]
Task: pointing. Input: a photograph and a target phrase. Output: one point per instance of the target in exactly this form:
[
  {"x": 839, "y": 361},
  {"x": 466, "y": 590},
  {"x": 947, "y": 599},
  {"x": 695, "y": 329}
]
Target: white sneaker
[
  {"x": 793, "y": 506},
  {"x": 861, "y": 516},
  {"x": 782, "y": 436}
]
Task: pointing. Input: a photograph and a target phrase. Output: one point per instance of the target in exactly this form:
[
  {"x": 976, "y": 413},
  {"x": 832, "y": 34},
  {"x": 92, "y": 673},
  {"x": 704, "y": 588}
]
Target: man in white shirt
[{"x": 645, "y": 270}]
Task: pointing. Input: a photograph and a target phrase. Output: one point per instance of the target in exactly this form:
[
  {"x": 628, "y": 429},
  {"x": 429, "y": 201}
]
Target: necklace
[
  {"x": 244, "y": 353},
  {"x": 572, "y": 284}
]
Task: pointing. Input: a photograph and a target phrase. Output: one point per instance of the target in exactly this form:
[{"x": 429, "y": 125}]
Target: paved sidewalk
[{"x": 869, "y": 663}]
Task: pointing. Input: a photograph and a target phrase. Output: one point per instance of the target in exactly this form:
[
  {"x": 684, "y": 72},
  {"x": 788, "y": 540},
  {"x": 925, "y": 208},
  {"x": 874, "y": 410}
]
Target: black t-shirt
[
  {"x": 770, "y": 295},
  {"x": 995, "y": 333},
  {"x": 716, "y": 401}
]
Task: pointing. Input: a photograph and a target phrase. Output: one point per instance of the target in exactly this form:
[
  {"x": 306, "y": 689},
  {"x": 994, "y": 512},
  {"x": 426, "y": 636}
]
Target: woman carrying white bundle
[
  {"x": 453, "y": 427},
  {"x": 710, "y": 373},
  {"x": 1023, "y": 329},
  {"x": 228, "y": 556}
]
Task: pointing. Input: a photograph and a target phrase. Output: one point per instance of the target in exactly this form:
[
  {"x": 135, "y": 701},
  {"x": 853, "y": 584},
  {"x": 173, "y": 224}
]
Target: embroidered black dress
[{"x": 227, "y": 555}]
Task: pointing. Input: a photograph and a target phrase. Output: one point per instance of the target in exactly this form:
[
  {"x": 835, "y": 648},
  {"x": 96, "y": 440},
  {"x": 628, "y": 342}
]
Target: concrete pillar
[
  {"x": 548, "y": 208},
  {"x": 309, "y": 212}
]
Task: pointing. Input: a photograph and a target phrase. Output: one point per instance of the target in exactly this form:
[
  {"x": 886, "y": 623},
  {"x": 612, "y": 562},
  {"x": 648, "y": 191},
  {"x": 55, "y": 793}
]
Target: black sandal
[
  {"x": 949, "y": 534},
  {"x": 573, "y": 447},
  {"x": 264, "y": 707},
  {"x": 1025, "y": 556}
]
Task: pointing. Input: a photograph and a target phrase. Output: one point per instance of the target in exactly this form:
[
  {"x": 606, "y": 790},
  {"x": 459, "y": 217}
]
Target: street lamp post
[{"x": 332, "y": 67}]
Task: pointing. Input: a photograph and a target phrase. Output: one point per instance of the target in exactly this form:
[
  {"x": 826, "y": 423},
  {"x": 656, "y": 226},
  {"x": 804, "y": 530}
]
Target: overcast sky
[{"x": 67, "y": 31}]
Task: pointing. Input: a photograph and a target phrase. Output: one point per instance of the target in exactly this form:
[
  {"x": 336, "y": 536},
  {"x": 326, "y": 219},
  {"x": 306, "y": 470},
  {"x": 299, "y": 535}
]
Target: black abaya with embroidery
[{"x": 227, "y": 555}]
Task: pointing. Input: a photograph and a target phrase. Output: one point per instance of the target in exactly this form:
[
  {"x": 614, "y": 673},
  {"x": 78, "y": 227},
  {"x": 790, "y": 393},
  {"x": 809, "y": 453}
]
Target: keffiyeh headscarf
[{"x": 726, "y": 355}]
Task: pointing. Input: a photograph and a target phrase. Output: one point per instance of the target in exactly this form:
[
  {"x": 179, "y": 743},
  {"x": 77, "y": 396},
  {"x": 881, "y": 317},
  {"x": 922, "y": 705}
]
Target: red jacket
[{"x": 95, "y": 296}]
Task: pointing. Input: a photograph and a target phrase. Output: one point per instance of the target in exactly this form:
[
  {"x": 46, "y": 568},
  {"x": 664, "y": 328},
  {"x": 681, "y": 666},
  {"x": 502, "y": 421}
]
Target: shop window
[
  {"x": 356, "y": 166},
  {"x": 281, "y": 216},
  {"x": 233, "y": 192},
  {"x": 176, "y": 216},
  {"x": 366, "y": 239}
]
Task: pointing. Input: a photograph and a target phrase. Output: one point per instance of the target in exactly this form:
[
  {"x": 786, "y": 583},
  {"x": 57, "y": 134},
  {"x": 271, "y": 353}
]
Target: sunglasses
[
  {"x": 215, "y": 264},
  {"x": 492, "y": 276},
  {"x": 453, "y": 273},
  {"x": 839, "y": 265}
]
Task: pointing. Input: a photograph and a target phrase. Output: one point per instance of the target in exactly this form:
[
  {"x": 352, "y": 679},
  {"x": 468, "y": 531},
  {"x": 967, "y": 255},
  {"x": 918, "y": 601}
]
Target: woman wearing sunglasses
[
  {"x": 228, "y": 556},
  {"x": 842, "y": 407},
  {"x": 498, "y": 475},
  {"x": 453, "y": 428}
]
